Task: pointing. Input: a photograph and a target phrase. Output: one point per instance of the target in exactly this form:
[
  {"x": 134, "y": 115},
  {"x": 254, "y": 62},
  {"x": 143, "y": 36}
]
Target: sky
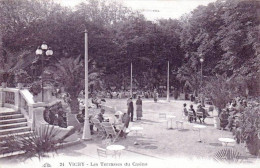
[{"x": 155, "y": 9}]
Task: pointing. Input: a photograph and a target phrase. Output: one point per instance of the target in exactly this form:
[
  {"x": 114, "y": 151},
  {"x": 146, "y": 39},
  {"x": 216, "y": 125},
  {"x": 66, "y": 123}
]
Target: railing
[
  {"x": 10, "y": 97},
  {"x": 20, "y": 100}
]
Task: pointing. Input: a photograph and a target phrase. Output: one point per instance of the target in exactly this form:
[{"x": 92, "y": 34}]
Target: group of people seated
[
  {"x": 193, "y": 115},
  {"x": 120, "y": 122},
  {"x": 229, "y": 117}
]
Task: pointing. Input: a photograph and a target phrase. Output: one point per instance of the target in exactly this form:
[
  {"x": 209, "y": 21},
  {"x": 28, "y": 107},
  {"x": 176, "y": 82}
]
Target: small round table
[
  {"x": 171, "y": 118},
  {"x": 199, "y": 127},
  {"x": 136, "y": 129},
  {"x": 116, "y": 148},
  {"x": 226, "y": 140}
]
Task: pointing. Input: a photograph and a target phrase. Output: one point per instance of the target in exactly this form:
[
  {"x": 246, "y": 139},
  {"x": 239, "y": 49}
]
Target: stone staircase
[{"x": 11, "y": 123}]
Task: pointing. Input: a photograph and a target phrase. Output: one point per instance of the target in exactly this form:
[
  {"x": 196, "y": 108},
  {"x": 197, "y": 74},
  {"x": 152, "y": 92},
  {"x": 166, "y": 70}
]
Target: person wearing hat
[
  {"x": 194, "y": 114},
  {"x": 185, "y": 111},
  {"x": 118, "y": 118},
  {"x": 100, "y": 116},
  {"x": 204, "y": 113},
  {"x": 130, "y": 108},
  {"x": 139, "y": 109}
]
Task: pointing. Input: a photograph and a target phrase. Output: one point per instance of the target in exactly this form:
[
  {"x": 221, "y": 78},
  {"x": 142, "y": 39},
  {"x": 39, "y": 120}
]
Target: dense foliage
[{"x": 223, "y": 33}]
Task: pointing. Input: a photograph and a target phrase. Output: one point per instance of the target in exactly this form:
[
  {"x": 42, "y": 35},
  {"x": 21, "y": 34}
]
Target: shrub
[
  {"x": 249, "y": 128},
  {"x": 21, "y": 76},
  {"x": 37, "y": 143}
]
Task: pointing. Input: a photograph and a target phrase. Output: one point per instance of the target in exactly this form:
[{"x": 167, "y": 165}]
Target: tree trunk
[{"x": 74, "y": 105}]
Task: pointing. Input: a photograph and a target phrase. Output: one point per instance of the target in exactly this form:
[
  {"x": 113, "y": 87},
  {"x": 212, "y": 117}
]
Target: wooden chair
[
  {"x": 100, "y": 129},
  {"x": 110, "y": 131},
  {"x": 227, "y": 155},
  {"x": 162, "y": 118},
  {"x": 199, "y": 115},
  {"x": 191, "y": 115},
  {"x": 102, "y": 153}
]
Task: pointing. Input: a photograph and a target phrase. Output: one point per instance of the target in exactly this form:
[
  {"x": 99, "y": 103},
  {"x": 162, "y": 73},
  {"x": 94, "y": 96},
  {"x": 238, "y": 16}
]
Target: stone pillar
[
  {"x": 1, "y": 97},
  {"x": 31, "y": 116},
  {"x": 16, "y": 100}
]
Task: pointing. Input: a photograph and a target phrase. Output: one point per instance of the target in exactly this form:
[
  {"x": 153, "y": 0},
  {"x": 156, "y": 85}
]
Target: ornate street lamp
[{"x": 43, "y": 51}]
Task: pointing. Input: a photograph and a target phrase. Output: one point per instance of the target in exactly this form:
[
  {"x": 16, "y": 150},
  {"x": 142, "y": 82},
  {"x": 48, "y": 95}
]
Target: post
[
  {"x": 86, "y": 129},
  {"x": 131, "y": 85},
  {"x": 201, "y": 80},
  {"x": 42, "y": 77},
  {"x": 1, "y": 97},
  {"x": 168, "y": 82},
  {"x": 201, "y": 74}
]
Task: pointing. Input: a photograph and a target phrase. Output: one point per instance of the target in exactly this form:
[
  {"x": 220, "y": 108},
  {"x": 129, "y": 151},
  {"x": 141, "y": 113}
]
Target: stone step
[
  {"x": 4, "y": 109},
  {"x": 14, "y": 130},
  {"x": 26, "y": 133},
  {"x": 13, "y": 125},
  {"x": 9, "y": 113},
  {"x": 13, "y": 116},
  {"x": 10, "y": 121},
  {"x": 12, "y": 154}
]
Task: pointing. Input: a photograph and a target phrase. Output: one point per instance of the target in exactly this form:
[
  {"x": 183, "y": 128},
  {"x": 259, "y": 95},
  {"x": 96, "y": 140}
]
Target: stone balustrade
[{"x": 21, "y": 100}]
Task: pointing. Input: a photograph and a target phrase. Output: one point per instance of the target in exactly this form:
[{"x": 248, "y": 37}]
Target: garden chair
[
  {"x": 191, "y": 115},
  {"x": 162, "y": 118},
  {"x": 227, "y": 155},
  {"x": 110, "y": 131},
  {"x": 102, "y": 153},
  {"x": 100, "y": 129},
  {"x": 199, "y": 115}
]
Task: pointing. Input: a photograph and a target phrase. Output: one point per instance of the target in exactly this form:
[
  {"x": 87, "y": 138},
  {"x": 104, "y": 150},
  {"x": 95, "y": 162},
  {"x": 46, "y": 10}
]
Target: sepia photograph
[{"x": 130, "y": 83}]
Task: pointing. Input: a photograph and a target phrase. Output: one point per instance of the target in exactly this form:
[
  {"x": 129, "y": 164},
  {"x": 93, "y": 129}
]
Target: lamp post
[
  {"x": 43, "y": 51},
  {"x": 168, "y": 82},
  {"x": 131, "y": 83},
  {"x": 201, "y": 62},
  {"x": 86, "y": 129}
]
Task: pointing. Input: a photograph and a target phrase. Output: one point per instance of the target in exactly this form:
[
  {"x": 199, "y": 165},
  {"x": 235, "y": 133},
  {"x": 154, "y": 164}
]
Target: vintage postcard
[{"x": 129, "y": 83}]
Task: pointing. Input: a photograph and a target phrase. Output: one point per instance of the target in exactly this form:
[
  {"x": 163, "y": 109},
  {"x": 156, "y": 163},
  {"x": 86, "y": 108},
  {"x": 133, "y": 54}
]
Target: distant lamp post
[
  {"x": 131, "y": 82},
  {"x": 168, "y": 82},
  {"x": 43, "y": 51},
  {"x": 201, "y": 63}
]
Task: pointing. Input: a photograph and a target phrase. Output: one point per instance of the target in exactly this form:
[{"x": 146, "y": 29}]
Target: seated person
[
  {"x": 200, "y": 109},
  {"x": 125, "y": 120},
  {"x": 193, "y": 117},
  {"x": 185, "y": 111},
  {"x": 100, "y": 116},
  {"x": 234, "y": 115},
  {"x": 98, "y": 102},
  {"x": 118, "y": 123},
  {"x": 224, "y": 118}
]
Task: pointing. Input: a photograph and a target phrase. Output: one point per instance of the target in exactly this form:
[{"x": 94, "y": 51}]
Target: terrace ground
[{"x": 157, "y": 143}]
